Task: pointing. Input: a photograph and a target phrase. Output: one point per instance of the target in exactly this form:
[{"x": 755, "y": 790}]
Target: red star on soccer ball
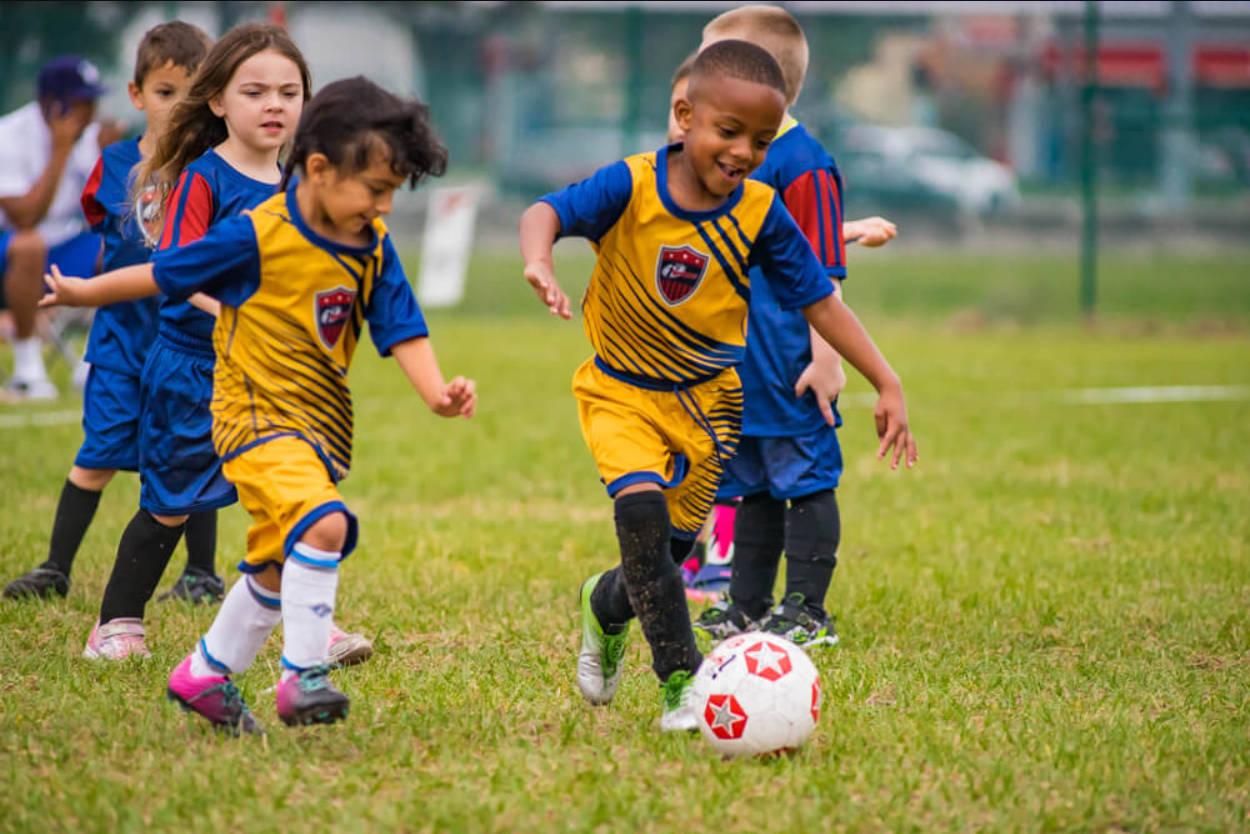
[
  {"x": 725, "y": 717},
  {"x": 768, "y": 660},
  {"x": 815, "y": 701}
]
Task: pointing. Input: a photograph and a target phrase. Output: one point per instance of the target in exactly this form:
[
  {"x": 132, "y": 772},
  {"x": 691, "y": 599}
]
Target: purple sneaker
[
  {"x": 308, "y": 697},
  {"x": 213, "y": 696}
]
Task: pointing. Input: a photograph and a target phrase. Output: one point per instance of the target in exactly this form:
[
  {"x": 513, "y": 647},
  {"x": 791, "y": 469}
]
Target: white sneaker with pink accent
[{"x": 116, "y": 640}]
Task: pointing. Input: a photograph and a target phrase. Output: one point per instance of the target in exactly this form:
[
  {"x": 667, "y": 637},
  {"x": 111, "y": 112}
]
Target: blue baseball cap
[{"x": 69, "y": 78}]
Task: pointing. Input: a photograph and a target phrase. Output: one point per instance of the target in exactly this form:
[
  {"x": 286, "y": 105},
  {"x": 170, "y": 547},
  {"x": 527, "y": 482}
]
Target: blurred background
[{"x": 990, "y": 126}]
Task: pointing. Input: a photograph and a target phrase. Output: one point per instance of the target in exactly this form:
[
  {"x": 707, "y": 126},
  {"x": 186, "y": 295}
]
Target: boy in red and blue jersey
[
  {"x": 788, "y": 463},
  {"x": 121, "y": 334}
]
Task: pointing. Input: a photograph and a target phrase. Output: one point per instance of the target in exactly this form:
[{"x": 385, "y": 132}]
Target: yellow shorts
[
  {"x": 286, "y": 487},
  {"x": 677, "y": 439}
]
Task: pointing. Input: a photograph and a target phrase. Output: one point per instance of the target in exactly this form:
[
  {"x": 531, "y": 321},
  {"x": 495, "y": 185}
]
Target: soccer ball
[{"x": 756, "y": 694}]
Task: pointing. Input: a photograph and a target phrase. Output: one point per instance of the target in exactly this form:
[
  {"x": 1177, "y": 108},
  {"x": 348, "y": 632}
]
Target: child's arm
[
  {"x": 457, "y": 398},
  {"x": 824, "y": 375},
  {"x": 539, "y": 228},
  {"x": 205, "y": 304},
  {"x": 125, "y": 284},
  {"x": 871, "y": 231},
  {"x": 837, "y": 325}
]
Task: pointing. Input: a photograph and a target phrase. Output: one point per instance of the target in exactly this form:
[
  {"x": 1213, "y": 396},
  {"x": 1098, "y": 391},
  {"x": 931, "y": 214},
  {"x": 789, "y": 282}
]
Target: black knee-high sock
[
  {"x": 73, "y": 516},
  {"x": 759, "y": 534},
  {"x": 142, "y": 556},
  {"x": 610, "y": 601},
  {"x": 201, "y": 538},
  {"x": 813, "y": 530},
  {"x": 654, "y": 583}
]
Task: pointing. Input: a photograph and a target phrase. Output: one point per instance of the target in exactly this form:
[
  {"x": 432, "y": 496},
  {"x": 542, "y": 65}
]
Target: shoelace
[
  {"x": 314, "y": 679},
  {"x": 231, "y": 697}
]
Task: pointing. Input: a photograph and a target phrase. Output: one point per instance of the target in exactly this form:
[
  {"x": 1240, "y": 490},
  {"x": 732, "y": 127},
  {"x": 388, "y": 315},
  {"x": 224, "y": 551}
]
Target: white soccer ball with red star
[{"x": 755, "y": 694}]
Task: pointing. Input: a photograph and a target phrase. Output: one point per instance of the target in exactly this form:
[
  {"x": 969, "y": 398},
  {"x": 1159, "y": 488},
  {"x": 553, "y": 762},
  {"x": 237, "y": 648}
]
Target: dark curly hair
[
  {"x": 348, "y": 119},
  {"x": 741, "y": 60}
]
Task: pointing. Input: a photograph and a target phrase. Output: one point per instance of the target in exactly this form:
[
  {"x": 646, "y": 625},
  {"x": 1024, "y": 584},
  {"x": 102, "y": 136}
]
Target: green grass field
[{"x": 1044, "y": 627}]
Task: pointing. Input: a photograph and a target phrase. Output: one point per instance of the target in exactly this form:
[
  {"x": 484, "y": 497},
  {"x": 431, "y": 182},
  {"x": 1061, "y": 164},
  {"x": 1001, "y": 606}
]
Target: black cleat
[{"x": 41, "y": 583}]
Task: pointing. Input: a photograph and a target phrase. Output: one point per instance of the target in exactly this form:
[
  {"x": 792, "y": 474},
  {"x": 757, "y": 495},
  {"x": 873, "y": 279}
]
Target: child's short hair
[
  {"x": 348, "y": 119},
  {"x": 683, "y": 70},
  {"x": 177, "y": 43},
  {"x": 741, "y": 60},
  {"x": 773, "y": 28}
]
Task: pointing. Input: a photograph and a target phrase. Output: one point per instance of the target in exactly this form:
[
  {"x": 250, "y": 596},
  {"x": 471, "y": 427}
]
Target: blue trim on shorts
[
  {"x": 681, "y": 467},
  {"x": 315, "y": 515},
  {"x": 251, "y": 569},
  {"x": 212, "y": 661}
]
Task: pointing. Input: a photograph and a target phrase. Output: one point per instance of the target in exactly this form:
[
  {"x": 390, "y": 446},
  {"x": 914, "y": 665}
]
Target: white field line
[{"x": 43, "y": 418}]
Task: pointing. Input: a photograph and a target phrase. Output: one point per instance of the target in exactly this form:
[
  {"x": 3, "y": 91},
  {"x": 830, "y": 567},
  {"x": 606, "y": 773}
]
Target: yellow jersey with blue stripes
[
  {"x": 293, "y": 306},
  {"x": 667, "y": 303}
]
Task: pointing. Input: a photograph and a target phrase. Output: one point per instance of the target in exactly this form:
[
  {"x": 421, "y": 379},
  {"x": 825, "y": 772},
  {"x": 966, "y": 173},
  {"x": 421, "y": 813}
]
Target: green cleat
[
  {"x": 599, "y": 661},
  {"x": 677, "y": 696},
  {"x": 801, "y": 624}
]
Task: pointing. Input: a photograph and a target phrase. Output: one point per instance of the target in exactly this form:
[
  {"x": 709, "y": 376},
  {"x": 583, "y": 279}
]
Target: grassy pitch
[{"x": 1045, "y": 627}]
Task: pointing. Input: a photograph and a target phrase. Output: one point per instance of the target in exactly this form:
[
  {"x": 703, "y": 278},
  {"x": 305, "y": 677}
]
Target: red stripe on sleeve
[
  {"x": 188, "y": 212},
  {"x": 91, "y": 208},
  {"x": 837, "y": 245},
  {"x": 801, "y": 199}
]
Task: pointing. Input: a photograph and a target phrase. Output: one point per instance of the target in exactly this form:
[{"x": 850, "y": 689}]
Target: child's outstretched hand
[
  {"x": 459, "y": 399},
  {"x": 543, "y": 279},
  {"x": 64, "y": 291},
  {"x": 891, "y": 418},
  {"x": 871, "y": 232}
]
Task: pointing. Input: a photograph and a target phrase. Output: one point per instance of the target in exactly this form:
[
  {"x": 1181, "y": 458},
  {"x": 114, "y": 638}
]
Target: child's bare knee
[
  {"x": 327, "y": 533},
  {"x": 270, "y": 578}
]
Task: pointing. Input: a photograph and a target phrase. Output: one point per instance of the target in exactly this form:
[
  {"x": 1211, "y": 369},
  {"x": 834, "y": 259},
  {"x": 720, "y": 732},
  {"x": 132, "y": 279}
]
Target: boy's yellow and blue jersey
[
  {"x": 293, "y": 305},
  {"x": 667, "y": 303}
]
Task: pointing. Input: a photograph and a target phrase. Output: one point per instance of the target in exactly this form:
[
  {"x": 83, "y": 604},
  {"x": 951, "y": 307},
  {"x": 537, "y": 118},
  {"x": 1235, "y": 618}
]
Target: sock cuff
[
  {"x": 306, "y": 554},
  {"x": 75, "y": 489},
  {"x": 640, "y": 499},
  {"x": 265, "y": 597},
  {"x": 213, "y": 662}
]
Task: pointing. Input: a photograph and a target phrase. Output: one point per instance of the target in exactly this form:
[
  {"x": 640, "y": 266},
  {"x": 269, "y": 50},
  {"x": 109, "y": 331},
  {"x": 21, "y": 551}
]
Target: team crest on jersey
[
  {"x": 333, "y": 310},
  {"x": 147, "y": 209},
  {"x": 678, "y": 272}
]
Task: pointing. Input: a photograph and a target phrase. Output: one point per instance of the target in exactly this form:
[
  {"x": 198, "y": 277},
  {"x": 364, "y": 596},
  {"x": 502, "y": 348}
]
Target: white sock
[
  {"x": 310, "y": 580},
  {"x": 28, "y": 359},
  {"x": 247, "y": 616}
]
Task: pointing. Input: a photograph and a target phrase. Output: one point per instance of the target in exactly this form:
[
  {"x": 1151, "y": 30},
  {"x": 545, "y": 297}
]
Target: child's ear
[
  {"x": 132, "y": 89},
  {"x": 216, "y": 106},
  {"x": 683, "y": 110},
  {"x": 317, "y": 167}
]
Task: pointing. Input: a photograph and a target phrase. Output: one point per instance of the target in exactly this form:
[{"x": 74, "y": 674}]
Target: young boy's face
[
  {"x": 162, "y": 88},
  {"x": 728, "y": 124},
  {"x": 679, "y": 92},
  {"x": 352, "y": 200}
]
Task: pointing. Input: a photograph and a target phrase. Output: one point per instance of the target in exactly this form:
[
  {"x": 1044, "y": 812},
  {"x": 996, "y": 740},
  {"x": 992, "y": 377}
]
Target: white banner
[{"x": 447, "y": 244}]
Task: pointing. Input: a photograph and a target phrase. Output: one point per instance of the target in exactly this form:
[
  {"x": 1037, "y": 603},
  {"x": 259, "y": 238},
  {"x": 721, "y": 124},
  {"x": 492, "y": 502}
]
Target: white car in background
[{"x": 941, "y": 161}]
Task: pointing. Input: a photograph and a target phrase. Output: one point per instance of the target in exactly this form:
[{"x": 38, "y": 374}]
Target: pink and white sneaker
[
  {"x": 116, "y": 640},
  {"x": 348, "y": 648},
  {"x": 213, "y": 696}
]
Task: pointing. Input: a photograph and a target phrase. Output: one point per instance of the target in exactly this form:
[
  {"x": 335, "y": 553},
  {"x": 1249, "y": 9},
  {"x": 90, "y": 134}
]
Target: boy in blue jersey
[
  {"x": 660, "y": 403},
  {"x": 788, "y": 462},
  {"x": 121, "y": 333}
]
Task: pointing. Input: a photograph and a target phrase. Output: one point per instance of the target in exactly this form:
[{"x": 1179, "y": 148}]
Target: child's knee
[
  {"x": 93, "y": 480},
  {"x": 270, "y": 579},
  {"x": 327, "y": 533},
  {"x": 27, "y": 247}
]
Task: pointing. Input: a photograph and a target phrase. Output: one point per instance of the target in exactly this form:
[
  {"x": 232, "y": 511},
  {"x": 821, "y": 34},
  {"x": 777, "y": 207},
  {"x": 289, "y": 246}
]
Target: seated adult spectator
[{"x": 48, "y": 149}]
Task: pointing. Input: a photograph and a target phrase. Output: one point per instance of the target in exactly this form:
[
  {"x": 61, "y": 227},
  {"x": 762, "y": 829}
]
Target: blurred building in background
[{"x": 946, "y": 111}]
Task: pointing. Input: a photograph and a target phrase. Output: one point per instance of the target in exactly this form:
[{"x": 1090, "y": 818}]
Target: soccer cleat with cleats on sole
[
  {"x": 308, "y": 697},
  {"x": 801, "y": 624},
  {"x": 677, "y": 700},
  {"x": 599, "y": 660},
  {"x": 197, "y": 588},
  {"x": 724, "y": 620},
  {"x": 41, "y": 583},
  {"x": 347, "y": 648},
  {"x": 117, "y": 640},
  {"x": 214, "y": 697}
]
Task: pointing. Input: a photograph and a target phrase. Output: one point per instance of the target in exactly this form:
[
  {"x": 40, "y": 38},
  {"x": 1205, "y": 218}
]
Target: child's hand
[
  {"x": 543, "y": 279},
  {"x": 459, "y": 399},
  {"x": 825, "y": 380},
  {"x": 891, "y": 418},
  {"x": 66, "y": 292},
  {"x": 871, "y": 232}
]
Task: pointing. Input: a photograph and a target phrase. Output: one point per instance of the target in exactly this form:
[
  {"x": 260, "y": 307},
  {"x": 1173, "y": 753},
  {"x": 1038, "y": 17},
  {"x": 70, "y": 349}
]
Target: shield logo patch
[
  {"x": 333, "y": 310},
  {"x": 678, "y": 272}
]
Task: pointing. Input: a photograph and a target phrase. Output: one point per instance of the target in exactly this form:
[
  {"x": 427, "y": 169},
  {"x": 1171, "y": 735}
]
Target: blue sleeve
[
  {"x": 782, "y": 252},
  {"x": 590, "y": 207},
  {"x": 224, "y": 264},
  {"x": 392, "y": 310}
]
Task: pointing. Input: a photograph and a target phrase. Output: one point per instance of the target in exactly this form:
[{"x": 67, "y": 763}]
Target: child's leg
[
  {"x": 202, "y": 543},
  {"x": 610, "y": 600},
  {"x": 144, "y": 552},
  {"x": 759, "y": 534},
  {"x": 652, "y": 580},
  {"x": 309, "y": 586},
  {"x": 813, "y": 530},
  {"x": 247, "y": 617}
]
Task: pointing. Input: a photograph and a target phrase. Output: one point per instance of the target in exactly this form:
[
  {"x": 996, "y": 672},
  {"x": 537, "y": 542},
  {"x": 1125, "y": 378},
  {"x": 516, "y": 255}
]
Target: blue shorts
[
  {"x": 77, "y": 256},
  {"x": 784, "y": 467},
  {"x": 110, "y": 421},
  {"x": 179, "y": 470}
]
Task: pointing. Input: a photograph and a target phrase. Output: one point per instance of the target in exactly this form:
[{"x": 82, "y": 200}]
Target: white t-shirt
[{"x": 25, "y": 147}]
